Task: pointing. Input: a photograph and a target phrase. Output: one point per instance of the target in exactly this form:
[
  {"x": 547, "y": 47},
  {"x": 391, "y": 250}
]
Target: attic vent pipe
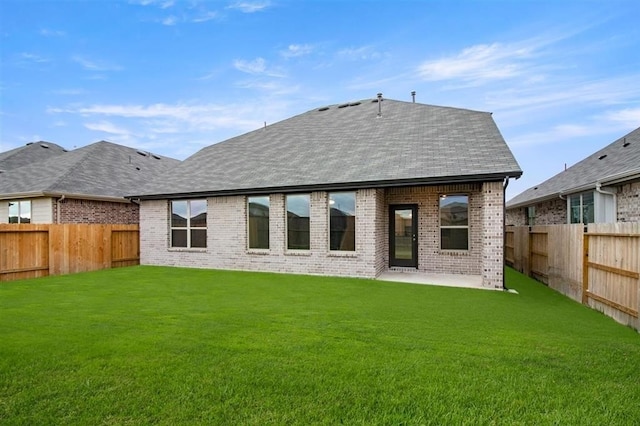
[
  {"x": 413, "y": 96},
  {"x": 379, "y": 104}
]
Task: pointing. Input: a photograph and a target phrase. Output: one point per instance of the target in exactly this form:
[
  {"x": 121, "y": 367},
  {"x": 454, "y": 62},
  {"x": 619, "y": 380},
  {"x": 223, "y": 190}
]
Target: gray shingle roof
[
  {"x": 30, "y": 153},
  {"x": 102, "y": 169},
  {"x": 616, "y": 159},
  {"x": 348, "y": 145}
]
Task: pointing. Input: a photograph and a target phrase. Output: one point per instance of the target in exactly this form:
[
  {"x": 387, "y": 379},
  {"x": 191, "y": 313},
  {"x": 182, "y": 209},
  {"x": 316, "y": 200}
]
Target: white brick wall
[{"x": 227, "y": 235}]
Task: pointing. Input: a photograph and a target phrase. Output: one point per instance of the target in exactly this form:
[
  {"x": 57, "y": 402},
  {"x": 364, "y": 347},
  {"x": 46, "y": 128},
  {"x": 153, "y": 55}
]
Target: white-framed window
[
  {"x": 189, "y": 223},
  {"x": 454, "y": 222},
  {"x": 531, "y": 215},
  {"x": 258, "y": 222},
  {"x": 298, "y": 221},
  {"x": 20, "y": 211},
  {"x": 581, "y": 208},
  {"x": 342, "y": 221}
]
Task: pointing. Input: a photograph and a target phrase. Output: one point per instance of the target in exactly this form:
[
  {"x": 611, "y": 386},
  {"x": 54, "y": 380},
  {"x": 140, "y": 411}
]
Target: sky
[{"x": 562, "y": 78}]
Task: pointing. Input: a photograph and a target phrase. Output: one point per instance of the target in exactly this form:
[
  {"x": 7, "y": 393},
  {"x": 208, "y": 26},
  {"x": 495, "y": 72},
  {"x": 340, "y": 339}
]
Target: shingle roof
[
  {"x": 30, "y": 153},
  {"x": 622, "y": 157},
  {"x": 348, "y": 145},
  {"x": 102, "y": 169}
]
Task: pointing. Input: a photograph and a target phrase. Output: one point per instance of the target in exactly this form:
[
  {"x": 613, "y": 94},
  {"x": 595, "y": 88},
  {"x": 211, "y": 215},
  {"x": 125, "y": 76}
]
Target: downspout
[
  {"x": 58, "y": 201},
  {"x": 615, "y": 199},
  {"x": 504, "y": 232}
]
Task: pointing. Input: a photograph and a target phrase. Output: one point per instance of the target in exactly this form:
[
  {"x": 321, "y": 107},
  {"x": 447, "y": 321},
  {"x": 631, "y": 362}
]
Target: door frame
[{"x": 408, "y": 263}]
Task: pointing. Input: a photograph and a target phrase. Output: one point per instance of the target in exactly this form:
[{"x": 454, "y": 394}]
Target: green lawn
[{"x": 151, "y": 345}]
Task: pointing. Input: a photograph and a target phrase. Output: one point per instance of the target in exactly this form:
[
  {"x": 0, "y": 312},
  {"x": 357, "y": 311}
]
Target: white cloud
[
  {"x": 169, "y": 20},
  {"x": 250, "y": 6},
  {"x": 628, "y": 117},
  {"x": 204, "y": 17},
  {"x": 52, "y": 33},
  {"x": 295, "y": 50},
  {"x": 92, "y": 65},
  {"x": 31, "y": 57},
  {"x": 478, "y": 63},
  {"x": 257, "y": 67},
  {"x": 107, "y": 127},
  {"x": 360, "y": 53},
  {"x": 69, "y": 92}
]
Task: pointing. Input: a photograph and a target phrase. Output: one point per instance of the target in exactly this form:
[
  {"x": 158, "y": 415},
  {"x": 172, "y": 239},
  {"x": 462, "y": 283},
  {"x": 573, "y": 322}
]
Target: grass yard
[{"x": 151, "y": 345}]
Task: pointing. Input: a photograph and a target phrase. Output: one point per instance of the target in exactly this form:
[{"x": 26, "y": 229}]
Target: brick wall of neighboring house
[
  {"x": 227, "y": 235},
  {"x": 551, "y": 212},
  {"x": 91, "y": 211},
  {"x": 628, "y": 200}
]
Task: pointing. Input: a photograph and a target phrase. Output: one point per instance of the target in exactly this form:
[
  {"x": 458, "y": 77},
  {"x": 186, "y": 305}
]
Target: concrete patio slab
[{"x": 448, "y": 280}]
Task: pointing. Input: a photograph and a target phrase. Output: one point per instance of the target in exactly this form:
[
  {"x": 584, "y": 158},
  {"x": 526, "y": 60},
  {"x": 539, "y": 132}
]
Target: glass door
[{"x": 403, "y": 235}]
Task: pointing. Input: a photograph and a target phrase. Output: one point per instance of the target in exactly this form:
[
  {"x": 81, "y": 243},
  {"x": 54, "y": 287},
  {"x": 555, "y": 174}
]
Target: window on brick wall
[
  {"x": 189, "y": 223},
  {"x": 581, "y": 208},
  {"x": 454, "y": 222},
  {"x": 298, "y": 207},
  {"x": 342, "y": 221},
  {"x": 20, "y": 211},
  {"x": 258, "y": 218},
  {"x": 531, "y": 215}
]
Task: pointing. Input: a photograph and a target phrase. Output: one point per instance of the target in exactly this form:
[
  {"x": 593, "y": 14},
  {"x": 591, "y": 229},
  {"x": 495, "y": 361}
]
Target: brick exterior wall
[
  {"x": 92, "y": 211},
  {"x": 551, "y": 212},
  {"x": 628, "y": 200},
  {"x": 227, "y": 235}
]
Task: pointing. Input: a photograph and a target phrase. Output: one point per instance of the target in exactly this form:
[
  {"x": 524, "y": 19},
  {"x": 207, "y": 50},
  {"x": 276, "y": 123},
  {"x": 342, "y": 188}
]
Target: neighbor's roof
[
  {"x": 30, "y": 153},
  {"x": 100, "y": 170},
  {"x": 616, "y": 162},
  {"x": 348, "y": 146}
]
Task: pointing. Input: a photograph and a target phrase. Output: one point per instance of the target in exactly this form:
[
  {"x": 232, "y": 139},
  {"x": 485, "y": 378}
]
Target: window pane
[
  {"x": 198, "y": 213},
  {"x": 342, "y": 221},
  {"x": 298, "y": 222},
  {"x": 454, "y": 238},
  {"x": 178, "y": 238},
  {"x": 25, "y": 211},
  {"x": 258, "y": 222},
  {"x": 14, "y": 211},
  {"x": 454, "y": 210},
  {"x": 198, "y": 238},
  {"x": 179, "y": 214},
  {"x": 587, "y": 208},
  {"x": 575, "y": 214}
]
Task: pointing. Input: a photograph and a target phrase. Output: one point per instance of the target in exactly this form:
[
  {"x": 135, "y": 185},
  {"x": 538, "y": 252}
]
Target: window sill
[
  {"x": 259, "y": 251},
  {"x": 451, "y": 252},
  {"x": 294, "y": 252},
  {"x": 188, "y": 249},
  {"x": 342, "y": 254}
]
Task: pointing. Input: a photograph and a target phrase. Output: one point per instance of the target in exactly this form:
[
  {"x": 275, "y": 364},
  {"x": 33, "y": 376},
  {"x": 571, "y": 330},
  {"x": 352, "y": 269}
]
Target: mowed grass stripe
[{"x": 153, "y": 345}]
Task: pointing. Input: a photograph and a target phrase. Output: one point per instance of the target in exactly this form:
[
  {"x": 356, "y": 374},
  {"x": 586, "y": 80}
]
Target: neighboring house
[
  {"x": 43, "y": 183},
  {"x": 602, "y": 188},
  {"x": 353, "y": 189}
]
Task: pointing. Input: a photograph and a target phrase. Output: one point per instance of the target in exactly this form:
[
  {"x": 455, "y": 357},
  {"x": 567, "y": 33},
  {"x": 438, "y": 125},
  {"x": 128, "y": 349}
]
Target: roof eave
[
  {"x": 392, "y": 183},
  {"x": 37, "y": 194}
]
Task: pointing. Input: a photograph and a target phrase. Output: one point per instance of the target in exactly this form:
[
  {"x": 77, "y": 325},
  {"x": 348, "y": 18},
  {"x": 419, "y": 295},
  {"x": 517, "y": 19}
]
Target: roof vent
[
  {"x": 323, "y": 109},
  {"x": 29, "y": 143},
  {"x": 625, "y": 143},
  {"x": 379, "y": 104},
  {"x": 144, "y": 154},
  {"x": 354, "y": 104},
  {"x": 157, "y": 157},
  {"x": 343, "y": 105},
  {"x": 413, "y": 96},
  {"x": 44, "y": 145},
  {"x": 137, "y": 168},
  {"x": 602, "y": 157}
]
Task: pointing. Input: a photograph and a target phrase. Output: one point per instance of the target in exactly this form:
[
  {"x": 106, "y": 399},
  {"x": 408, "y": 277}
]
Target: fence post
[{"x": 585, "y": 268}]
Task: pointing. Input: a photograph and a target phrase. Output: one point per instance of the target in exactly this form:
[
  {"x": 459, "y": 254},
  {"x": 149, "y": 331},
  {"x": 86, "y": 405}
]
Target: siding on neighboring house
[
  {"x": 628, "y": 200},
  {"x": 41, "y": 210}
]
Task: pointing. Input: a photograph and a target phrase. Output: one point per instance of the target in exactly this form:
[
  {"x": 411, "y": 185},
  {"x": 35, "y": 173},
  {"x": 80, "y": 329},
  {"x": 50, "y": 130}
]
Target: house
[
  {"x": 44, "y": 183},
  {"x": 602, "y": 188},
  {"x": 354, "y": 189}
]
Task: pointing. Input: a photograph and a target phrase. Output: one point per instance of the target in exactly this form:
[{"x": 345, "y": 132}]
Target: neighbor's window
[
  {"x": 298, "y": 222},
  {"x": 258, "y": 208},
  {"x": 20, "y": 211},
  {"x": 581, "y": 208},
  {"x": 342, "y": 221},
  {"x": 531, "y": 215},
  {"x": 189, "y": 223},
  {"x": 454, "y": 222}
]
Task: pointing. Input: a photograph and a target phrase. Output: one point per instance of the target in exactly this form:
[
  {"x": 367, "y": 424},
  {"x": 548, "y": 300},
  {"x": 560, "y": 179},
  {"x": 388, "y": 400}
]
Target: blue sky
[{"x": 562, "y": 78}]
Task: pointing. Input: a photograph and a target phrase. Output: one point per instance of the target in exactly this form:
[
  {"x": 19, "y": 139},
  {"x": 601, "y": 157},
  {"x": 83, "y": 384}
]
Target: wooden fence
[
  {"x": 30, "y": 251},
  {"x": 599, "y": 266}
]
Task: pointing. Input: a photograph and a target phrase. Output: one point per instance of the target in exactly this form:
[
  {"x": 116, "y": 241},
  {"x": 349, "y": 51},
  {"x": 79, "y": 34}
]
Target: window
[
  {"x": 20, "y": 211},
  {"x": 454, "y": 222},
  {"x": 258, "y": 208},
  {"x": 581, "y": 208},
  {"x": 189, "y": 223},
  {"x": 531, "y": 215},
  {"x": 342, "y": 221},
  {"x": 298, "y": 222}
]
